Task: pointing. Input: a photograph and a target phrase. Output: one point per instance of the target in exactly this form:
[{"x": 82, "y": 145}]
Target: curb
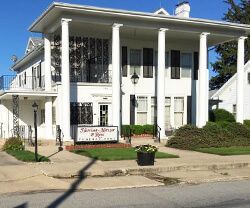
[{"x": 150, "y": 170}]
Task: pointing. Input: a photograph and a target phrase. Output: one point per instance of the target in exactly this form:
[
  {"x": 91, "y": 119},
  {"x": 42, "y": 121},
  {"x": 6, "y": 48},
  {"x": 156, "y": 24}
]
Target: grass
[
  {"x": 224, "y": 151},
  {"x": 26, "y": 156},
  {"x": 111, "y": 154}
]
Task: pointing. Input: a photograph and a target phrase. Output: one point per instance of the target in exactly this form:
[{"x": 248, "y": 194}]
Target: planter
[{"x": 144, "y": 159}]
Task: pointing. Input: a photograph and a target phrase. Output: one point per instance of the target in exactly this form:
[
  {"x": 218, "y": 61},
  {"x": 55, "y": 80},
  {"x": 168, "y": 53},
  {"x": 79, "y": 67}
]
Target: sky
[{"x": 17, "y": 15}]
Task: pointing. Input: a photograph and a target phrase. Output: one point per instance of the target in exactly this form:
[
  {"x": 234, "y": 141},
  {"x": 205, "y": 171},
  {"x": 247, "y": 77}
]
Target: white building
[
  {"x": 81, "y": 72},
  {"x": 226, "y": 96}
]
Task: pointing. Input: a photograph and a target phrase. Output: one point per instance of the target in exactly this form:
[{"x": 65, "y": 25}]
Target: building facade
[{"x": 108, "y": 67}]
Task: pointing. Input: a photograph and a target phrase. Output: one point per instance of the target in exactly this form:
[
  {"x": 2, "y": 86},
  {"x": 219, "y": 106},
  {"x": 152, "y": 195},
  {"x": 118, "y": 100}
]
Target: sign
[{"x": 97, "y": 134}]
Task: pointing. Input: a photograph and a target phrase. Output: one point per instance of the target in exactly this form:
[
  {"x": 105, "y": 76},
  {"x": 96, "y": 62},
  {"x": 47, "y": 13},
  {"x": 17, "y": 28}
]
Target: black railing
[
  {"x": 127, "y": 133},
  {"x": 157, "y": 133},
  {"x": 21, "y": 82}
]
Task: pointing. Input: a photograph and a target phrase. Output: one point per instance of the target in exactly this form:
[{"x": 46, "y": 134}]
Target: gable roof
[
  {"x": 33, "y": 42},
  {"x": 232, "y": 79},
  {"x": 161, "y": 11}
]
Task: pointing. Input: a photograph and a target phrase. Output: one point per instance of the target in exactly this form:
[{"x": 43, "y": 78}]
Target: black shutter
[
  {"x": 40, "y": 74},
  {"x": 175, "y": 64},
  {"x": 148, "y": 62},
  {"x": 248, "y": 74},
  {"x": 196, "y": 65},
  {"x": 132, "y": 109},
  {"x": 189, "y": 109},
  {"x": 124, "y": 61}
]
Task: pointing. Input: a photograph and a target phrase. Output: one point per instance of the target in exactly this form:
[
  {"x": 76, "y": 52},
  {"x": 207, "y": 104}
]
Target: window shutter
[
  {"x": 124, "y": 61},
  {"x": 196, "y": 65},
  {"x": 248, "y": 74},
  {"x": 175, "y": 64},
  {"x": 148, "y": 62}
]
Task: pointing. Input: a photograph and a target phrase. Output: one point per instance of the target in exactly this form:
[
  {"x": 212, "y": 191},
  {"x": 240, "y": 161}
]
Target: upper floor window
[
  {"x": 135, "y": 61},
  {"x": 186, "y": 65},
  {"x": 175, "y": 64},
  {"x": 148, "y": 61}
]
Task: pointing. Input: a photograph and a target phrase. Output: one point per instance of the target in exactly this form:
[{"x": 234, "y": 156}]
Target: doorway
[{"x": 103, "y": 114}]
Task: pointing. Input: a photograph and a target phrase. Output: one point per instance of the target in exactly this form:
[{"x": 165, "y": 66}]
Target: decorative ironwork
[
  {"x": 56, "y": 56},
  {"x": 15, "y": 100},
  {"x": 81, "y": 113}
]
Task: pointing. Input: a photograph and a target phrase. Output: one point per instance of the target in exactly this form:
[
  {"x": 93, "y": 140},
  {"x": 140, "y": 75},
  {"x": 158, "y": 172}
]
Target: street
[{"x": 221, "y": 195}]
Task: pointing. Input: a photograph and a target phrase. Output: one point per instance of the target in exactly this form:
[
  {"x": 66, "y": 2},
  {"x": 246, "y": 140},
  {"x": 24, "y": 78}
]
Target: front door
[{"x": 103, "y": 114}]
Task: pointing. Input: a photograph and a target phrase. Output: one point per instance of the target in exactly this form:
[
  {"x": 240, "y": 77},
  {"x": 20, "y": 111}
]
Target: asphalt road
[{"x": 221, "y": 195}]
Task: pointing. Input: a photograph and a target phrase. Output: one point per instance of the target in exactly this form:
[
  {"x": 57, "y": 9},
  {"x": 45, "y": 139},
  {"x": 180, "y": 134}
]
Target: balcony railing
[{"x": 20, "y": 82}]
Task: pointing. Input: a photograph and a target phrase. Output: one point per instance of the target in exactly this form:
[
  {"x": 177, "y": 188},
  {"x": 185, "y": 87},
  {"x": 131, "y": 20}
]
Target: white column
[
  {"x": 240, "y": 80},
  {"x": 161, "y": 82},
  {"x": 48, "y": 118},
  {"x": 65, "y": 123},
  {"x": 116, "y": 77},
  {"x": 47, "y": 62},
  {"x": 202, "y": 113}
]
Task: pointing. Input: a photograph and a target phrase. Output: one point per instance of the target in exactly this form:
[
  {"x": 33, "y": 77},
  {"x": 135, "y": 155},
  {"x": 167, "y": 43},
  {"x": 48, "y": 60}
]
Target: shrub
[
  {"x": 137, "y": 129},
  {"x": 125, "y": 131},
  {"x": 221, "y": 134},
  {"x": 218, "y": 115},
  {"x": 247, "y": 123},
  {"x": 148, "y": 129},
  {"x": 13, "y": 143}
]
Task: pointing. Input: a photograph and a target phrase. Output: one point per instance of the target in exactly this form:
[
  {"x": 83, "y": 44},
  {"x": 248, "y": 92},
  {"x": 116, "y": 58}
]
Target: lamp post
[
  {"x": 35, "y": 108},
  {"x": 135, "y": 78}
]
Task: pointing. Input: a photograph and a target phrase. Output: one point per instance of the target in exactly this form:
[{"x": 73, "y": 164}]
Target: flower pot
[{"x": 144, "y": 159}]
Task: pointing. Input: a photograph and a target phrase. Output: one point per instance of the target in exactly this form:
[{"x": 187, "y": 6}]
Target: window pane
[
  {"x": 186, "y": 64},
  {"x": 153, "y": 110},
  {"x": 135, "y": 57},
  {"x": 142, "y": 104},
  {"x": 167, "y": 117},
  {"x": 178, "y": 119},
  {"x": 179, "y": 104},
  {"x": 167, "y": 101},
  {"x": 141, "y": 118}
]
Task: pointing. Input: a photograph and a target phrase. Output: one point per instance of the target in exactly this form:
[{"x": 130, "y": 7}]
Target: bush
[
  {"x": 13, "y": 143},
  {"x": 218, "y": 115},
  {"x": 247, "y": 123},
  {"x": 137, "y": 129},
  {"x": 222, "y": 134},
  {"x": 148, "y": 129},
  {"x": 125, "y": 131}
]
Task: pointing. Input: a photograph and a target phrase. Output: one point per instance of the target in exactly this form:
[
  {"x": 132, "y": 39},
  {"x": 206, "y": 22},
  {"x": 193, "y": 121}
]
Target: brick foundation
[{"x": 95, "y": 146}]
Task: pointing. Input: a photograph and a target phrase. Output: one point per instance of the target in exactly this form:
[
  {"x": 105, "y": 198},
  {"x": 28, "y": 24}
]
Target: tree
[{"x": 226, "y": 64}]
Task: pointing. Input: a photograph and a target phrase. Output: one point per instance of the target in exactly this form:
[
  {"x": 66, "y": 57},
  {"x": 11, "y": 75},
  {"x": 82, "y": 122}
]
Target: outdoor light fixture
[
  {"x": 134, "y": 78},
  {"x": 35, "y": 108}
]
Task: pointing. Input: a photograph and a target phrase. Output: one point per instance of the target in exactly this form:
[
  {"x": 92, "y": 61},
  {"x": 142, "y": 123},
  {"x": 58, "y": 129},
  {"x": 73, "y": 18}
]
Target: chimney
[{"x": 182, "y": 9}]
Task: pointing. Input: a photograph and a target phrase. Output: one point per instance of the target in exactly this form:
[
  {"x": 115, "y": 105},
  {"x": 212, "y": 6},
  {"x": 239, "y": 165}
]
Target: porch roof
[
  {"x": 36, "y": 95},
  {"x": 51, "y": 17}
]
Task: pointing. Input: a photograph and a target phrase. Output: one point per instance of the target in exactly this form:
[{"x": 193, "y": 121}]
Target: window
[
  {"x": 142, "y": 110},
  {"x": 42, "y": 116},
  {"x": 148, "y": 62},
  {"x": 186, "y": 65},
  {"x": 234, "y": 110},
  {"x": 81, "y": 113},
  {"x": 153, "y": 110},
  {"x": 196, "y": 65},
  {"x": 135, "y": 61},
  {"x": 124, "y": 61},
  {"x": 167, "y": 112},
  {"x": 178, "y": 111},
  {"x": 175, "y": 64}
]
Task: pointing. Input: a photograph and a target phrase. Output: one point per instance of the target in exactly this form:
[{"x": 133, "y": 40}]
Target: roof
[
  {"x": 56, "y": 9},
  {"x": 36, "y": 41},
  {"x": 232, "y": 79},
  {"x": 33, "y": 42},
  {"x": 212, "y": 92}
]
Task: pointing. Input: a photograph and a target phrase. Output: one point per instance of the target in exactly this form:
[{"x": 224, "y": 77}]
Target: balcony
[{"x": 21, "y": 83}]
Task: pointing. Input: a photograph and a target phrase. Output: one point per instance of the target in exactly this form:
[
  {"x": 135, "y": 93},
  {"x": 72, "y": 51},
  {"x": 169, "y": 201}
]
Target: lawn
[
  {"x": 111, "y": 154},
  {"x": 226, "y": 150},
  {"x": 26, "y": 156}
]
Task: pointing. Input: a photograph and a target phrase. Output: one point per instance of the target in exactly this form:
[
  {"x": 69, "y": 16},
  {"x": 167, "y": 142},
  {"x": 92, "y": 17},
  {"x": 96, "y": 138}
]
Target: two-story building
[{"x": 98, "y": 66}]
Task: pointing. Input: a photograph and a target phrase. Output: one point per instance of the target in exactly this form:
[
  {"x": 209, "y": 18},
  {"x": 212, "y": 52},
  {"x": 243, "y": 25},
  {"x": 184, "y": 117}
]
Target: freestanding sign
[{"x": 97, "y": 134}]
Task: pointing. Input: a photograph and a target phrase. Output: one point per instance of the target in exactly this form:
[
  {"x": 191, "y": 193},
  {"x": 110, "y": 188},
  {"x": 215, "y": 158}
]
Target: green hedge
[
  {"x": 247, "y": 123},
  {"x": 219, "y": 115},
  {"x": 13, "y": 143},
  {"x": 222, "y": 134},
  {"x": 137, "y": 129}
]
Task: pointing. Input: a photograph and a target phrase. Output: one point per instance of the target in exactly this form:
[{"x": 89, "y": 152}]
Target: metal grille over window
[
  {"x": 142, "y": 110},
  {"x": 89, "y": 59},
  {"x": 81, "y": 113},
  {"x": 178, "y": 111}
]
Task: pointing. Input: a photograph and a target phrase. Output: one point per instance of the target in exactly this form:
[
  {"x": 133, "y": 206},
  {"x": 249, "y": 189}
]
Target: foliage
[
  {"x": 13, "y": 143},
  {"x": 247, "y": 123},
  {"x": 225, "y": 66},
  {"x": 147, "y": 148},
  {"x": 112, "y": 154},
  {"x": 221, "y": 134},
  {"x": 137, "y": 129},
  {"x": 26, "y": 156},
  {"x": 219, "y": 115}
]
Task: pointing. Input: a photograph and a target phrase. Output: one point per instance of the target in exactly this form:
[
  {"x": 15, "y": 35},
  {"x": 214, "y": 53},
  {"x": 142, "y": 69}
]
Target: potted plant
[{"x": 146, "y": 154}]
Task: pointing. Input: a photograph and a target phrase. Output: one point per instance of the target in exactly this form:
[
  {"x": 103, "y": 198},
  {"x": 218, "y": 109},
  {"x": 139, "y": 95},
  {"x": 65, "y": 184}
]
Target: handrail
[
  {"x": 128, "y": 136},
  {"x": 157, "y": 132}
]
